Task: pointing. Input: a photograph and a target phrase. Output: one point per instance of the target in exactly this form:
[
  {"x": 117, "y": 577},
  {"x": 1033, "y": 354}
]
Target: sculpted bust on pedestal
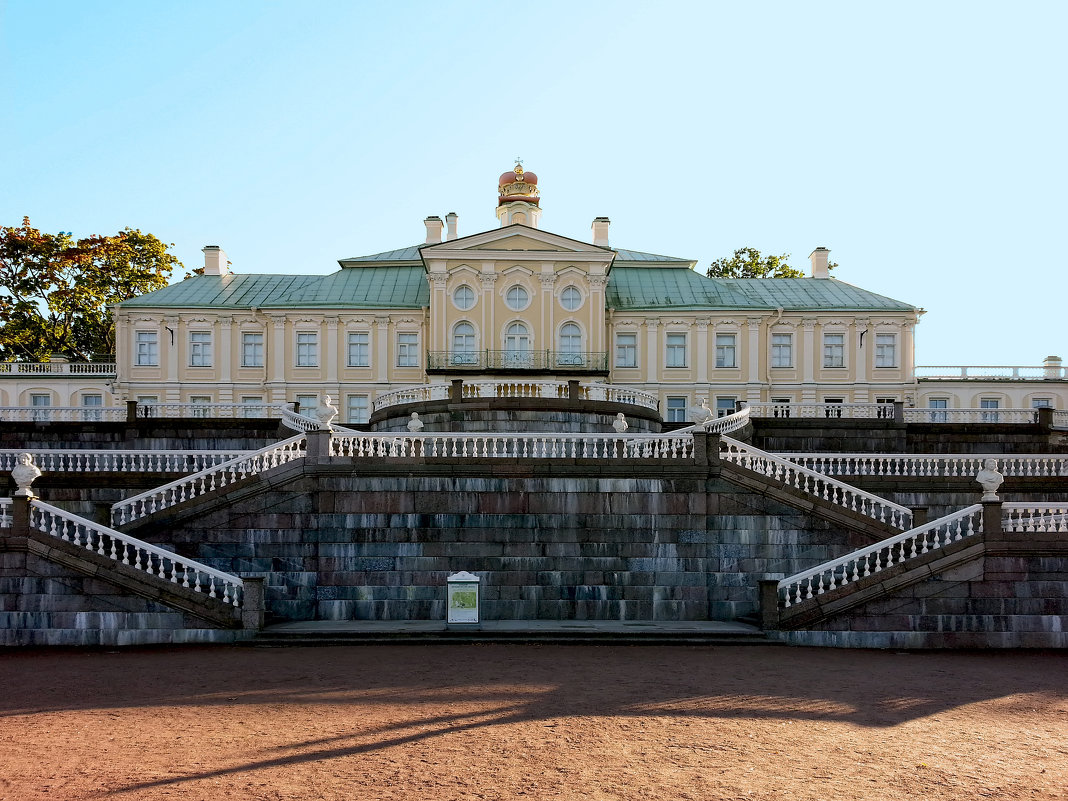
[
  {"x": 990, "y": 479},
  {"x": 25, "y": 473},
  {"x": 326, "y": 412}
]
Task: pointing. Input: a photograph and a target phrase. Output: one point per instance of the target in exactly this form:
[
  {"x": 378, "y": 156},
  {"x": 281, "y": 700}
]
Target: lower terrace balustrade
[
  {"x": 136, "y": 553},
  {"x": 928, "y": 464},
  {"x": 518, "y": 359},
  {"x": 514, "y": 446},
  {"x": 63, "y": 414},
  {"x": 114, "y": 461},
  {"x": 830, "y": 411}
]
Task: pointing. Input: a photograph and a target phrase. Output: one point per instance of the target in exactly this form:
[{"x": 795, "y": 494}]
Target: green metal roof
[
  {"x": 411, "y": 254},
  {"x": 637, "y": 255},
  {"x": 676, "y": 288},
  {"x": 403, "y": 254},
  {"x": 812, "y": 293},
  {"x": 225, "y": 291},
  {"x": 378, "y": 288}
]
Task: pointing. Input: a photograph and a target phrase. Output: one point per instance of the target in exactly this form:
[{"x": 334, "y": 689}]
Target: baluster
[
  {"x": 832, "y": 585},
  {"x": 808, "y": 587},
  {"x": 211, "y": 592},
  {"x": 185, "y": 576},
  {"x": 226, "y": 592},
  {"x": 114, "y": 551}
]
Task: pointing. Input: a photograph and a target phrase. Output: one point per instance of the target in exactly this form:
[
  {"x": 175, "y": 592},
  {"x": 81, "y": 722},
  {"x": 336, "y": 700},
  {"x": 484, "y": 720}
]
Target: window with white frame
[
  {"x": 359, "y": 343},
  {"x": 570, "y": 345},
  {"x": 834, "y": 350},
  {"x": 989, "y": 403},
  {"x": 308, "y": 404},
  {"x": 40, "y": 401},
  {"x": 939, "y": 405},
  {"x": 254, "y": 406},
  {"x": 200, "y": 348},
  {"x": 92, "y": 403},
  {"x": 251, "y": 349},
  {"x": 407, "y": 350},
  {"x": 358, "y": 408},
  {"x": 675, "y": 355},
  {"x": 463, "y": 344},
  {"x": 464, "y": 297},
  {"x": 726, "y": 405},
  {"x": 147, "y": 343},
  {"x": 726, "y": 353},
  {"x": 517, "y": 298},
  {"x": 676, "y": 410},
  {"x": 571, "y": 298},
  {"x": 517, "y": 345},
  {"x": 626, "y": 350},
  {"x": 782, "y": 350},
  {"x": 1042, "y": 403},
  {"x": 307, "y": 349},
  {"x": 886, "y": 350}
]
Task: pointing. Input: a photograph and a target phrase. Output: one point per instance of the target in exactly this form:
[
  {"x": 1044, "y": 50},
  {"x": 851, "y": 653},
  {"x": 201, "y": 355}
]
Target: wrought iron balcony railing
[{"x": 540, "y": 360}]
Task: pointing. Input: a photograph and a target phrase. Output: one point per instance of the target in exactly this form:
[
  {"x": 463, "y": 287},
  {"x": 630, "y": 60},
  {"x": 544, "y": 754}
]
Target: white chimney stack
[
  {"x": 450, "y": 220},
  {"x": 215, "y": 262},
  {"x": 433, "y": 230},
  {"x": 600, "y": 231},
  {"x": 818, "y": 257},
  {"x": 1053, "y": 367}
]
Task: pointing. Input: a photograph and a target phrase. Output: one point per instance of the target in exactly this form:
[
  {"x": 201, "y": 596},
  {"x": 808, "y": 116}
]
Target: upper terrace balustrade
[
  {"x": 556, "y": 361},
  {"x": 1049, "y": 371},
  {"x": 103, "y": 369},
  {"x": 504, "y": 388}
]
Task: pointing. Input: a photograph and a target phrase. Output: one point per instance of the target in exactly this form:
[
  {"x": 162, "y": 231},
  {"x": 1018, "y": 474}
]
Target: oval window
[
  {"x": 464, "y": 297},
  {"x": 571, "y": 298},
  {"x": 517, "y": 298}
]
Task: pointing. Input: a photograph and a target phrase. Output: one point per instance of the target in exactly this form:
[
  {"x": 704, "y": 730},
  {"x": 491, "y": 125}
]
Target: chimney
[
  {"x": 450, "y": 220},
  {"x": 215, "y": 260},
  {"x": 600, "y": 231},
  {"x": 433, "y": 230},
  {"x": 1053, "y": 367},
  {"x": 818, "y": 258}
]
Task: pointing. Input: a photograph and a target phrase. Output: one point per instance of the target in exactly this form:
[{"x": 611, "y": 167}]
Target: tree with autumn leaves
[
  {"x": 750, "y": 263},
  {"x": 55, "y": 291}
]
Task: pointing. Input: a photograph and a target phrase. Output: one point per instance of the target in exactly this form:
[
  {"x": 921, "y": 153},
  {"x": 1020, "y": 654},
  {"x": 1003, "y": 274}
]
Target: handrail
[
  {"x": 138, "y": 554},
  {"x": 845, "y": 411},
  {"x": 516, "y": 388},
  {"x": 418, "y": 393},
  {"x": 1030, "y": 516},
  {"x": 163, "y": 497},
  {"x": 514, "y": 445},
  {"x": 56, "y": 460},
  {"x": 720, "y": 425},
  {"x": 886, "y": 553},
  {"x": 929, "y": 464},
  {"x": 817, "y": 484}
]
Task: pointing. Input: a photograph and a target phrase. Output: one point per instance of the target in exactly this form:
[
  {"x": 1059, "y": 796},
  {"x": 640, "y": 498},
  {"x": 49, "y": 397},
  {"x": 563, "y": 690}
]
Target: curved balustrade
[
  {"x": 419, "y": 393},
  {"x": 514, "y": 446},
  {"x": 102, "y": 461},
  {"x": 136, "y": 553},
  {"x": 971, "y": 416},
  {"x": 928, "y": 464},
  {"x": 813, "y": 483},
  {"x": 719, "y": 425},
  {"x": 212, "y": 478},
  {"x": 514, "y": 389},
  {"x": 805, "y": 411},
  {"x": 63, "y": 414},
  {"x": 1034, "y": 517},
  {"x": 887, "y": 553},
  {"x": 617, "y": 394}
]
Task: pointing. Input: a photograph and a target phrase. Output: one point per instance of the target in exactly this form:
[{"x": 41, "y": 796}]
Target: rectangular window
[
  {"x": 358, "y": 406},
  {"x": 938, "y": 403},
  {"x": 252, "y": 350},
  {"x": 886, "y": 350},
  {"x": 726, "y": 355},
  {"x": 989, "y": 403},
  {"x": 200, "y": 349},
  {"x": 725, "y": 406},
  {"x": 834, "y": 350},
  {"x": 359, "y": 349},
  {"x": 307, "y": 404},
  {"x": 626, "y": 350},
  {"x": 147, "y": 349},
  {"x": 676, "y": 350},
  {"x": 1042, "y": 403},
  {"x": 407, "y": 350},
  {"x": 782, "y": 350},
  {"x": 40, "y": 404},
  {"x": 254, "y": 406},
  {"x": 307, "y": 349},
  {"x": 92, "y": 404},
  {"x": 676, "y": 410},
  {"x": 200, "y": 403}
]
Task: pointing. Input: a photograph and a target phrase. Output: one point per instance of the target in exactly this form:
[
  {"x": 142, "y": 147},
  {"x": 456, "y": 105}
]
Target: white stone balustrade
[
  {"x": 816, "y": 484},
  {"x": 210, "y": 410},
  {"x": 983, "y": 373},
  {"x": 516, "y": 388},
  {"x": 136, "y": 553},
  {"x": 830, "y": 411},
  {"x": 720, "y": 425},
  {"x": 5, "y": 513},
  {"x": 420, "y": 393},
  {"x": 63, "y": 414},
  {"x": 110, "y": 461},
  {"x": 617, "y": 394},
  {"x": 971, "y": 416},
  {"x": 928, "y": 464},
  {"x": 58, "y": 368},
  {"x": 514, "y": 446},
  {"x": 1034, "y": 517},
  {"x": 875, "y": 558},
  {"x": 207, "y": 480},
  {"x": 1060, "y": 419}
]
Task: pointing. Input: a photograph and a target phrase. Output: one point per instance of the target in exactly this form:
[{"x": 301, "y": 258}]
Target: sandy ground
[{"x": 532, "y": 722}]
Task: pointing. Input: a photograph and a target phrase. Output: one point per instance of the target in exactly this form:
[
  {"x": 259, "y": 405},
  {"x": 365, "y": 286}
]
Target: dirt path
[{"x": 532, "y": 722}]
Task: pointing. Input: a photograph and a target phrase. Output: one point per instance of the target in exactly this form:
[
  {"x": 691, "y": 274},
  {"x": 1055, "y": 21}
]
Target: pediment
[{"x": 514, "y": 238}]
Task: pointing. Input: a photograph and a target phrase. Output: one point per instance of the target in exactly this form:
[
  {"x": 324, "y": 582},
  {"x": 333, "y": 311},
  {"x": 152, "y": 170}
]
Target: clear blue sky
[{"x": 924, "y": 143}]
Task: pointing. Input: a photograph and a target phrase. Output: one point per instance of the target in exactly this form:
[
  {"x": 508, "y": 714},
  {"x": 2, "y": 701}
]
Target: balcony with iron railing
[{"x": 518, "y": 361}]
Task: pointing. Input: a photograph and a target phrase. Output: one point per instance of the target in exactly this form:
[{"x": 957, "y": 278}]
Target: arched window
[
  {"x": 517, "y": 345},
  {"x": 463, "y": 344},
  {"x": 570, "y": 345}
]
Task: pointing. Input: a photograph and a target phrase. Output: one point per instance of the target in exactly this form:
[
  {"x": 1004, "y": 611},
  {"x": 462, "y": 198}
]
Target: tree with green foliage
[
  {"x": 55, "y": 292},
  {"x": 749, "y": 263}
]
